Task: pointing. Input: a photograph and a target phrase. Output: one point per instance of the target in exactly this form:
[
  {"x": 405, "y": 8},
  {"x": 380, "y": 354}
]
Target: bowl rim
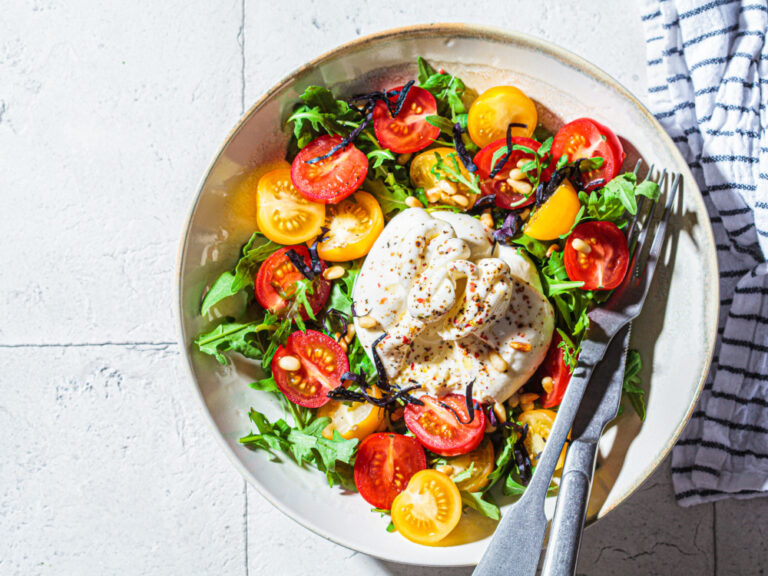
[{"x": 464, "y": 31}]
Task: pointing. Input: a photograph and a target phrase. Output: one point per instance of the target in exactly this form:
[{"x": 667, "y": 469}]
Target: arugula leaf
[
  {"x": 513, "y": 488},
  {"x": 256, "y": 250},
  {"x": 306, "y": 446},
  {"x": 235, "y": 336},
  {"x": 465, "y": 474},
  {"x": 570, "y": 355},
  {"x": 391, "y": 197},
  {"x": 618, "y": 195},
  {"x": 476, "y": 501},
  {"x": 504, "y": 461},
  {"x": 321, "y": 113},
  {"x": 631, "y": 388},
  {"x": 447, "y": 89},
  {"x": 535, "y": 248},
  {"x": 452, "y": 171}
]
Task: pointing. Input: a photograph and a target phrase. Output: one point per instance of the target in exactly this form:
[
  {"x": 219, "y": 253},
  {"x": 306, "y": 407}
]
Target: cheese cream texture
[{"x": 448, "y": 300}]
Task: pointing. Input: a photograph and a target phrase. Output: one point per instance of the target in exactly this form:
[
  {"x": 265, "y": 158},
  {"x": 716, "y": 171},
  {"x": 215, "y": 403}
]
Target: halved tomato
[
  {"x": 428, "y": 509},
  {"x": 556, "y": 215},
  {"x": 321, "y": 362},
  {"x": 276, "y": 279},
  {"x": 539, "y": 424},
  {"x": 554, "y": 367},
  {"x": 481, "y": 460},
  {"x": 603, "y": 258},
  {"x": 497, "y": 108},
  {"x": 331, "y": 179},
  {"x": 384, "y": 464},
  {"x": 506, "y": 197},
  {"x": 353, "y": 226},
  {"x": 282, "y": 214},
  {"x": 353, "y": 419},
  {"x": 409, "y": 131},
  {"x": 438, "y": 428},
  {"x": 585, "y": 138}
]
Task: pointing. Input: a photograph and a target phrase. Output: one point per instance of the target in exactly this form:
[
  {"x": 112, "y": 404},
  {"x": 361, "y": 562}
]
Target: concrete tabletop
[{"x": 109, "y": 114}]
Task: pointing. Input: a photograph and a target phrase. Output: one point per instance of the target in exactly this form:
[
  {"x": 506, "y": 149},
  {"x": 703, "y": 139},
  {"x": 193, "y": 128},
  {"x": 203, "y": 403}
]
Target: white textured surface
[{"x": 109, "y": 113}]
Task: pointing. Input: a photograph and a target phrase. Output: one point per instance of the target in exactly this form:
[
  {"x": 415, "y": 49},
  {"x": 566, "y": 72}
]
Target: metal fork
[
  {"x": 516, "y": 545},
  {"x": 599, "y": 406}
]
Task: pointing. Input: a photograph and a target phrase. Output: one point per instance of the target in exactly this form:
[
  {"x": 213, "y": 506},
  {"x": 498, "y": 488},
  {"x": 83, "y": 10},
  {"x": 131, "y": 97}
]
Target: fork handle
[{"x": 571, "y": 511}]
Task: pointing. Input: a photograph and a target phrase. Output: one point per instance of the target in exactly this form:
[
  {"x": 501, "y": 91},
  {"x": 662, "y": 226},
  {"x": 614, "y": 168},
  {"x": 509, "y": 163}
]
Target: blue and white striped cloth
[{"x": 708, "y": 86}]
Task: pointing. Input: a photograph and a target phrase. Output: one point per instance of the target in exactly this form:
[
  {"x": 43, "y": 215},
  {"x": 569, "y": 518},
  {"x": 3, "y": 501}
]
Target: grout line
[
  {"x": 83, "y": 344},
  {"x": 245, "y": 525},
  {"x": 714, "y": 532}
]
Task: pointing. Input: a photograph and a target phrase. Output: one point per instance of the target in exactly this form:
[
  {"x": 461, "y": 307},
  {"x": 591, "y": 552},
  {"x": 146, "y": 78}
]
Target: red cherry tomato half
[
  {"x": 332, "y": 179},
  {"x": 505, "y": 196},
  {"x": 321, "y": 363},
  {"x": 384, "y": 464},
  {"x": 554, "y": 366},
  {"x": 277, "y": 276},
  {"x": 584, "y": 138},
  {"x": 438, "y": 429},
  {"x": 601, "y": 263},
  {"x": 409, "y": 131},
  {"x": 614, "y": 143}
]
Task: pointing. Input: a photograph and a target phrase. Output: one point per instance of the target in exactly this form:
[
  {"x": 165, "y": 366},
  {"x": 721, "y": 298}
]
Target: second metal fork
[{"x": 516, "y": 545}]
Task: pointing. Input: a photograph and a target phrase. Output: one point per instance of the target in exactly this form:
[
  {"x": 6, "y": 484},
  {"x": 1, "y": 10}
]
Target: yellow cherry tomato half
[
  {"x": 481, "y": 460},
  {"x": 282, "y": 214},
  {"x": 428, "y": 509},
  {"x": 441, "y": 190},
  {"x": 497, "y": 108},
  {"x": 556, "y": 216},
  {"x": 352, "y": 420},
  {"x": 540, "y": 424},
  {"x": 353, "y": 224}
]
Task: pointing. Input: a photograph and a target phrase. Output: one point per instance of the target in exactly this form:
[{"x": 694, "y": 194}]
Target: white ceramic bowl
[{"x": 675, "y": 333}]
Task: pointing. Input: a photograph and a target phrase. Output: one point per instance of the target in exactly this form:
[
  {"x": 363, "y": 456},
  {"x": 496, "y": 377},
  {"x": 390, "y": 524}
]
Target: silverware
[
  {"x": 516, "y": 545},
  {"x": 599, "y": 406}
]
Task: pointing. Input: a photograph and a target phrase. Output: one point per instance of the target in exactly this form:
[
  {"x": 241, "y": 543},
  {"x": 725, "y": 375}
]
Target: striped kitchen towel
[{"x": 708, "y": 86}]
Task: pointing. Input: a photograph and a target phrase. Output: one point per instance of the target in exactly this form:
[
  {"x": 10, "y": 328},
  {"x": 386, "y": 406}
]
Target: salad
[{"x": 417, "y": 290}]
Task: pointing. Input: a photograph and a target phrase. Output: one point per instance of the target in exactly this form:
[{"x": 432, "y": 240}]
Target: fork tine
[
  {"x": 658, "y": 238},
  {"x": 631, "y": 241},
  {"x": 641, "y": 240}
]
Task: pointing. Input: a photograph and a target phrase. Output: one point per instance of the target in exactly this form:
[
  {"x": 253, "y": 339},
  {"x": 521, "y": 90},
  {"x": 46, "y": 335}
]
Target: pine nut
[
  {"x": 548, "y": 384},
  {"x": 333, "y": 272},
  {"x": 525, "y": 407},
  {"x": 552, "y": 249},
  {"x": 403, "y": 158},
  {"x": 448, "y": 187},
  {"x": 413, "y": 202},
  {"x": 367, "y": 322},
  {"x": 289, "y": 363},
  {"x": 525, "y": 213},
  {"x": 461, "y": 200},
  {"x": 498, "y": 363},
  {"x": 520, "y": 187},
  {"x": 446, "y": 469},
  {"x": 521, "y": 163},
  {"x": 581, "y": 246},
  {"x": 343, "y": 345},
  {"x": 521, "y": 346},
  {"x": 528, "y": 398},
  {"x": 516, "y": 174},
  {"x": 500, "y": 411},
  {"x": 337, "y": 336},
  {"x": 513, "y": 401},
  {"x": 351, "y": 331},
  {"x": 487, "y": 219},
  {"x": 433, "y": 195}
]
